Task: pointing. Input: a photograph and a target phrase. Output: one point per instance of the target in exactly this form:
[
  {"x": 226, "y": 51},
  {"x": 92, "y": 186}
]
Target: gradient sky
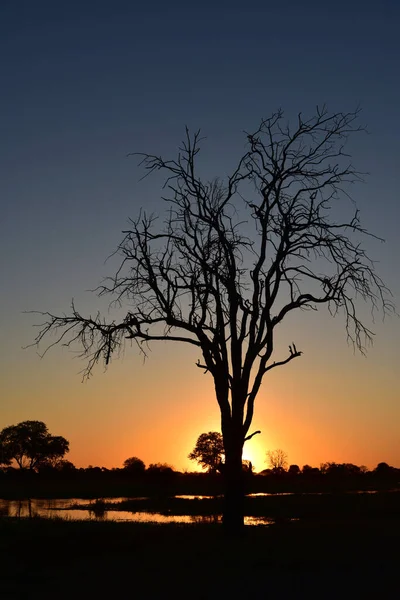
[{"x": 85, "y": 82}]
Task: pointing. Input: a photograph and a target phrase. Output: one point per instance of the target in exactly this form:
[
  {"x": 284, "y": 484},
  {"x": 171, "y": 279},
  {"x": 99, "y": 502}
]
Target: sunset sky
[{"x": 83, "y": 83}]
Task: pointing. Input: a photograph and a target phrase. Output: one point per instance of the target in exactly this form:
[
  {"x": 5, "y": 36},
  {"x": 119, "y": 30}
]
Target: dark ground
[{"x": 310, "y": 558}]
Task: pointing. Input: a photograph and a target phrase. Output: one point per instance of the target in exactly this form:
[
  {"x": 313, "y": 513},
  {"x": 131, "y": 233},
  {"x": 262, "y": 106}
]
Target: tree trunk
[{"x": 233, "y": 516}]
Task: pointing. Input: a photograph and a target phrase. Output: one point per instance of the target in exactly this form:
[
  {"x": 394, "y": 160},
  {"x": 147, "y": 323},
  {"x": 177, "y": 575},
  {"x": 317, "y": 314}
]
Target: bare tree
[
  {"x": 232, "y": 258},
  {"x": 277, "y": 460}
]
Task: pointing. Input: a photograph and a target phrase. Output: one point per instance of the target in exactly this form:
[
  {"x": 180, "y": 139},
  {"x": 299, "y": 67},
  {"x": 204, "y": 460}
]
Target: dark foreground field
[{"x": 303, "y": 559}]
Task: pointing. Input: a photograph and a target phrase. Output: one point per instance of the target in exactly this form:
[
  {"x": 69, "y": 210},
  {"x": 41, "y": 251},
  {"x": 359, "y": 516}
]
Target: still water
[{"x": 68, "y": 509}]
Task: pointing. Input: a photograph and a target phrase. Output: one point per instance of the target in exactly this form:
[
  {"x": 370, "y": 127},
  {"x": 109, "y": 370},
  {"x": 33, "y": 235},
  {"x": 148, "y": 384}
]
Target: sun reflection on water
[{"x": 68, "y": 509}]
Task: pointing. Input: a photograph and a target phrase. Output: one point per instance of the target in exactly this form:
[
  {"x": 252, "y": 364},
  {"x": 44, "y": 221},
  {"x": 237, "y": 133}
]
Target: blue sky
[{"x": 84, "y": 83}]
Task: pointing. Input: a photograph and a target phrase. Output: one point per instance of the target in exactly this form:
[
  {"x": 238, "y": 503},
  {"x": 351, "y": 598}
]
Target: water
[
  {"x": 90, "y": 511},
  {"x": 79, "y": 509}
]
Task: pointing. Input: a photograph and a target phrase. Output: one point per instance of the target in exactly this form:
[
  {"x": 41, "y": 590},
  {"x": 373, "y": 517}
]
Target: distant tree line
[
  {"x": 327, "y": 470},
  {"x": 38, "y": 454}
]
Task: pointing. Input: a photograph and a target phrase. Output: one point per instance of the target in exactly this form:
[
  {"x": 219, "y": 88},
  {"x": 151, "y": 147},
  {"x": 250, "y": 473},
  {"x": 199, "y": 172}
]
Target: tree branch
[
  {"x": 246, "y": 439},
  {"x": 230, "y": 261}
]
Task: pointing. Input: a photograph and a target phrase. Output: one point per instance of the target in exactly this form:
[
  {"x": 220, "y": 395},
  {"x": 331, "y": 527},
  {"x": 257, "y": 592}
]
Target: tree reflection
[{"x": 98, "y": 510}]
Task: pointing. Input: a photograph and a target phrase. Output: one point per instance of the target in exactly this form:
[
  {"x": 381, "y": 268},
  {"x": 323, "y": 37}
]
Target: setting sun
[{"x": 254, "y": 450}]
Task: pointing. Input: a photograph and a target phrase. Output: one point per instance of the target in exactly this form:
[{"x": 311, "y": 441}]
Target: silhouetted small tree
[
  {"x": 59, "y": 465},
  {"x": 294, "y": 470},
  {"x": 231, "y": 259},
  {"x": 309, "y": 471},
  {"x": 339, "y": 469},
  {"x": 134, "y": 465},
  {"x": 383, "y": 469},
  {"x": 29, "y": 443},
  {"x": 209, "y": 451},
  {"x": 160, "y": 468},
  {"x": 277, "y": 460}
]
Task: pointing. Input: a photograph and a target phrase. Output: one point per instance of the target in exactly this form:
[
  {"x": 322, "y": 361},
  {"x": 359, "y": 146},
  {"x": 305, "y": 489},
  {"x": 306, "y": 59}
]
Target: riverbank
[
  {"x": 20, "y": 484},
  {"x": 257, "y": 509},
  {"x": 306, "y": 559},
  {"x": 278, "y": 506}
]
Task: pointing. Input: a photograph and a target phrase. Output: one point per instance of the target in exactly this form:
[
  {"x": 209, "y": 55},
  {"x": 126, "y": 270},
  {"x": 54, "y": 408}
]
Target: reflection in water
[
  {"x": 96, "y": 512},
  {"x": 102, "y": 510},
  {"x": 191, "y": 497},
  {"x": 260, "y": 521},
  {"x": 263, "y": 494}
]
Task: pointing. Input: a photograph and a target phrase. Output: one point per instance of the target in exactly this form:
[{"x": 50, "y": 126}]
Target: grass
[{"x": 310, "y": 558}]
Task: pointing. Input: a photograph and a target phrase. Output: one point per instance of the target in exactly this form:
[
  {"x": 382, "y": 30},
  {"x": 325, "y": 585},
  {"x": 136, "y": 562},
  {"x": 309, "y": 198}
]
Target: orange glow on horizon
[{"x": 314, "y": 410}]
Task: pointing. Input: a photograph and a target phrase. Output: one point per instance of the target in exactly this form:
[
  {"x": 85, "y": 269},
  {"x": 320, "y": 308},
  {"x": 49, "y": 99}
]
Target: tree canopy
[
  {"x": 134, "y": 465},
  {"x": 209, "y": 451},
  {"x": 30, "y": 444}
]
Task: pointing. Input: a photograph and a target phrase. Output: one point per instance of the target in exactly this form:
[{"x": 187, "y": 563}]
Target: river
[{"x": 68, "y": 509}]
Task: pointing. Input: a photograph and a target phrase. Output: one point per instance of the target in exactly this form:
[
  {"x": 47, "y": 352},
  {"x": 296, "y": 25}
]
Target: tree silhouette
[
  {"x": 56, "y": 464},
  {"x": 134, "y": 465},
  {"x": 339, "y": 469},
  {"x": 29, "y": 443},
  {"x": 231, "y": 259},
  {"x": 209, "y": 451},
  {"x": 383, "y": 469},
  {"x": 277, "y": 460},
  {"x": 163, "y": 472},
  {"x": 294, "y": 470}
]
